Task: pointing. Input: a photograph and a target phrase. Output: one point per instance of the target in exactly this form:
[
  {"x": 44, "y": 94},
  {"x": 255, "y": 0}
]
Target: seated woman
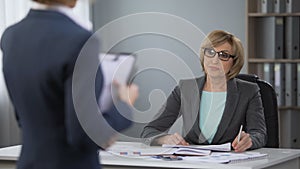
[{"x": 214, "y": 106}]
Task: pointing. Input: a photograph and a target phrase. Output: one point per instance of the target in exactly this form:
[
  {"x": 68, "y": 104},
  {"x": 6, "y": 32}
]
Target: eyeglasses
[{"x": 222, "y": 55}]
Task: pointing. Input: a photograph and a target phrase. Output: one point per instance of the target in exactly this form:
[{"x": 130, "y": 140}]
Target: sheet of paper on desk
[
  {"x": 141, "y": 150},
  {"x": 127, "y": 150},
  {"x": 174, "y": 151},
  {"x": 154, "y": 151},
  {"x": 226, "y": 157},
  {"x": 191, "y": 152},
  {"x": 220, "y": 147}
]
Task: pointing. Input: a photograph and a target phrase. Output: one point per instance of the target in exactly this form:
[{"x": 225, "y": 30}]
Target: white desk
[{"x": 277, "y": 159}]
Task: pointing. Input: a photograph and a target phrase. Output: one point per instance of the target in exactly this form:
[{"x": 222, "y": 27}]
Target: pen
[
  {"x": 123, "y": 153},
  {"x": 239, "y": 135},
  {"x": 171, "y": 158},
  {"x": 167, "y": 158},
  {"x": 136, "y": 153}
]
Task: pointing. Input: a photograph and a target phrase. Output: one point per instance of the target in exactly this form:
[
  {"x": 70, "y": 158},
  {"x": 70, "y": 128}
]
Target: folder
[
  {"x": 279, "y": 6},
  {"x": 295, "y": 139},
  {"x": 270, "y": 37},
  {"x": 266, "y": 6},
  {"x": 289, "y": 131},
  {"x": 292, "y": 36},
  {"x": 298, "y": 84},
  {"x": 279, "y": 83},
  {"x": 115, "y": 67},
  {"x": 285, "y": 128},
  {"x": 269, "y": 73},
  {"x": 292, "y": 6},
  {"x": 291, "y": 84}
]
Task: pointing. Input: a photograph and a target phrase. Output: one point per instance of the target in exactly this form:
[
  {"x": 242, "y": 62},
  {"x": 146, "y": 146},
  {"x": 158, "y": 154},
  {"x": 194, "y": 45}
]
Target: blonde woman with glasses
[{"x": 215, "y": 106}]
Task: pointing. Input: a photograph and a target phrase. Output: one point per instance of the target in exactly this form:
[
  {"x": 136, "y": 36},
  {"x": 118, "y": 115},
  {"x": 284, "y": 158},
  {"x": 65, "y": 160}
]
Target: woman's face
[{"x": 214, "y": 67}]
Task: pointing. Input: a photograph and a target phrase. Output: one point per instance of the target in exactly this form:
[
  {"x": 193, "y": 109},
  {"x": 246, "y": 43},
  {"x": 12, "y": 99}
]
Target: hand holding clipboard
[{"x": 116, "y": 68}]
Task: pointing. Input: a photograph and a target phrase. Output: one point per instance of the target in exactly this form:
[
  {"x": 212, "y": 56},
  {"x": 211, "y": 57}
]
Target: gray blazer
[{"x": 243, "y": 106}]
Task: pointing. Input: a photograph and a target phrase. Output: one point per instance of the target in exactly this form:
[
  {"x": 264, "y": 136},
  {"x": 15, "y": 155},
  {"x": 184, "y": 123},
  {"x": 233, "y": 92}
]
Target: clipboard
[{"x": 118, "y": 67}]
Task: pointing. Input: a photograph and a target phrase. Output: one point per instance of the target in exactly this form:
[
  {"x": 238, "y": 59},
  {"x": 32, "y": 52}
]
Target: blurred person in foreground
[{"x": 39, "y": 56}]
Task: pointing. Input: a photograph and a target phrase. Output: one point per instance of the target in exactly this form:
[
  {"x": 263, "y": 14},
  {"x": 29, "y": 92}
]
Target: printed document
[{"x": 220, "y": 147}]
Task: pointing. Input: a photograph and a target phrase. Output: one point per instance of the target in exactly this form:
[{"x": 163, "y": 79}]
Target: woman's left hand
[{"x": 244, "y": 143}]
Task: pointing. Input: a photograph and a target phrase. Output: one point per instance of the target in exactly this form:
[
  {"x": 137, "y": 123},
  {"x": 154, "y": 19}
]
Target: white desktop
[{"x": 276, "y": 159}]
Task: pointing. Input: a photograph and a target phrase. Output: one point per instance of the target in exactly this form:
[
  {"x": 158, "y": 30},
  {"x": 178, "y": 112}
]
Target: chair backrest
[{"x": 269, "y": 101}]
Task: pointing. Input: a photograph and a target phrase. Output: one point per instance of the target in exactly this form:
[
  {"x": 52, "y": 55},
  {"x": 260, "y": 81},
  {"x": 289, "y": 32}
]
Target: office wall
[
  {"x": 10, "y": 133},
  {"x": 170, "y": 52}
]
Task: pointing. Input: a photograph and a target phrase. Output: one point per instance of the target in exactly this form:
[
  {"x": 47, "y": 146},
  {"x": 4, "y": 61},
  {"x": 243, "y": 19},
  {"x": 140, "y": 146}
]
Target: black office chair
[{"x": 269, "y": 101}]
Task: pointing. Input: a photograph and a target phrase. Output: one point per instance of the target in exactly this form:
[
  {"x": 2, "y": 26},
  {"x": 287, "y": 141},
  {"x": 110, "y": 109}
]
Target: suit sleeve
[
  {"x": 82, "y": 113},
  {"x": 119, "y": 115},
  {"x": 75, "y": 135},
  {"x": 255, "y": 120},
  {"x": 164, "y": 119},
  {"x": 3, "y": 42}
]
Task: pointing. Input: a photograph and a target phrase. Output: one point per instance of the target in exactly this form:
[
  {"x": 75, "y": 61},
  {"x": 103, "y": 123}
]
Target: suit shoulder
[
  {"x": 190, "y": 81},
  {"x": 71, "y": 29},
  {"x": 244, "y": 85},
  {"x": 190, "y": 85}
]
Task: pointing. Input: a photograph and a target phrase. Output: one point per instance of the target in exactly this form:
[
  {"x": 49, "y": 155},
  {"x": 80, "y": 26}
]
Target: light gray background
[{"x": 156, "y": 85}]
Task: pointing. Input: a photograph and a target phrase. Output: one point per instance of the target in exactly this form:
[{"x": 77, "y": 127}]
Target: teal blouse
[{"x": 211, "y": 110}]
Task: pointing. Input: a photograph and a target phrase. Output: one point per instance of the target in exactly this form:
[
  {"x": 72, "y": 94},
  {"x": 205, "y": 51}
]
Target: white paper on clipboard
[{"x": 116, "y": 67}]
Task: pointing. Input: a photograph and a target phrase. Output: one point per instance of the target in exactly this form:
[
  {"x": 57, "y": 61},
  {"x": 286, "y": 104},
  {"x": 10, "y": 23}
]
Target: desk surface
[{"x": 108, "y": 160}]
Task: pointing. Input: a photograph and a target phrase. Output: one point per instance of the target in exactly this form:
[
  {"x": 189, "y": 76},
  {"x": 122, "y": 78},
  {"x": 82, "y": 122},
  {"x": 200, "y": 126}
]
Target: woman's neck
[{"x": 215, "y": 84}]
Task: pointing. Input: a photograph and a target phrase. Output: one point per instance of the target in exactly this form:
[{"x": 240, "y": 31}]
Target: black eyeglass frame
[{"x": 219, "y": 54}]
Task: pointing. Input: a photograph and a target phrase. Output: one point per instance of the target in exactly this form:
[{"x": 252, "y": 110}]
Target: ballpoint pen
[
  {"x": 167, "y": 158},
  {"x": 240, "y": 133}
]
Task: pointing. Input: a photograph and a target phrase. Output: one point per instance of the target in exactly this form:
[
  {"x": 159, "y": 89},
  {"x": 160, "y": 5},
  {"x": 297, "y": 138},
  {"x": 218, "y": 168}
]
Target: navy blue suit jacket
[{"x": 39, "y": 54}]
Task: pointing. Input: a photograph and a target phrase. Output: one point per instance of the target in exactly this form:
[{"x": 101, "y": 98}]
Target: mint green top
[{"x": 211, "y": 110}]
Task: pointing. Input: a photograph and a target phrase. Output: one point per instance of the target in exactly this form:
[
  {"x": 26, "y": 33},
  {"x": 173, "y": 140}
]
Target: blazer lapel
[
  {"x": 195, "y": 113},
  {"x": 197, "y": 98},
  {"x": 230, "y": 106}
]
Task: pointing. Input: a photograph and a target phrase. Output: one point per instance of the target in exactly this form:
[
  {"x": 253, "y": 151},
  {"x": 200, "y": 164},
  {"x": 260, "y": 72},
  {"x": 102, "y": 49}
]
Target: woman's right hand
[
  {"x": 172, "y": 139},
  {"x": 128, "y": 94}
]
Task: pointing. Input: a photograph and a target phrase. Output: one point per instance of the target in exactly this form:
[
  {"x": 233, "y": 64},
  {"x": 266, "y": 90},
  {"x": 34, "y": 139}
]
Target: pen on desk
[
  {"x": 136, "y": 153},
  {"x": 167, "y": 158},
  {"x": 240, "y": 133},
  {"x": 172, "y": 158},
  {"x": 123, "y": 153}
]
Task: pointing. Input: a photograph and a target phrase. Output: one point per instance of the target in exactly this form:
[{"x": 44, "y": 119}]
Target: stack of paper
[
  {"x": 222, "y": 157},
  {"x": 174, "y": 151},
  {"x": 220, "y": 147},
  {"x": 193, "y": 150}
]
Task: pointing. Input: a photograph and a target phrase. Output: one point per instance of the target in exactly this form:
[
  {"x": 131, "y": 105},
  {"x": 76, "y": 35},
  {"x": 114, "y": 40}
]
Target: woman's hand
[
  {"x": 172, "y": 139},
  {"x": 127, "y": 94},
  {"x": 244, "y": 143}
]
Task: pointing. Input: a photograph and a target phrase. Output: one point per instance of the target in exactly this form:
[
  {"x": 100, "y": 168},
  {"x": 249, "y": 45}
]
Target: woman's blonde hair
[{"x": 219, "y": 37}]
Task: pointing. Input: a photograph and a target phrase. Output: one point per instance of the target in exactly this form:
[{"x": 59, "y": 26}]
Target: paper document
[
  {"x": 191, "y": 152},
  {"x": 174, "y": 151},
  {"x": 116, "y": 67},
  {"x": 220, "y": 147},
  {"x": 135, "y": 151},
  {"x": 225, "y": 157}
]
